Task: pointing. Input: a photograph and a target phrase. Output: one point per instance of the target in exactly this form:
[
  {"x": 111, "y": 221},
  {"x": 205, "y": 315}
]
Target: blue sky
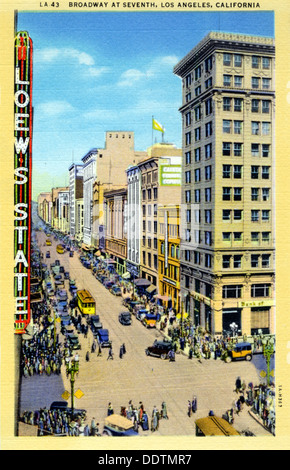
[{"x": 97, "y": 72}]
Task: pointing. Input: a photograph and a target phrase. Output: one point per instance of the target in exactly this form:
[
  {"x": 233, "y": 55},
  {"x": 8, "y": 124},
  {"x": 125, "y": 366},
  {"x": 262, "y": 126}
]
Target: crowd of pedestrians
[
  {"x": 139, "y": 416},
  {"x": 58, "y": 422}
]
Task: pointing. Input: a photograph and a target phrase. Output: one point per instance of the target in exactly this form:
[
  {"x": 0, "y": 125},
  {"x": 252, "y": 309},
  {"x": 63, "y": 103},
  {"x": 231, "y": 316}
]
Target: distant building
[
  {"x": 75, "y": 193},
  {"x": 133, "y": 221}
]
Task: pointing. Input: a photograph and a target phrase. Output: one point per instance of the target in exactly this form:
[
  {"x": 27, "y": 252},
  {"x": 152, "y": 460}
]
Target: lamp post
[
  {"x": 72, "y": 368},
  {"x": 268, "y": 351}
]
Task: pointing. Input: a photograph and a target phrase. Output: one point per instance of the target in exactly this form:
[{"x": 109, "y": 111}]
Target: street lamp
[
  {"x": 268, "y": 351},
  {"x": 72, "y": 368},
  {"x": 234, "y": 327}
]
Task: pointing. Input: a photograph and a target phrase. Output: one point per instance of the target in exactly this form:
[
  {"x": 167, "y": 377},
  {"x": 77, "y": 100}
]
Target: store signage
[
  {"x": 257, "y": 303},
  {"x": 22, "y": 179}
]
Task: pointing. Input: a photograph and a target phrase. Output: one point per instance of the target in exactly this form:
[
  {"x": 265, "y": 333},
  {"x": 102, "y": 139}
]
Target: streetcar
[
  {"x": 60, "y": 249},
  {"x": 214, "y": 426},
  {"x": 86, "y": 302}
]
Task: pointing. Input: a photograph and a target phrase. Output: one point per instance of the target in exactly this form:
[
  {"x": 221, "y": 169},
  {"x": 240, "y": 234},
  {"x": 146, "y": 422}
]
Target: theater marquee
[{"x": 22, "y": 179}]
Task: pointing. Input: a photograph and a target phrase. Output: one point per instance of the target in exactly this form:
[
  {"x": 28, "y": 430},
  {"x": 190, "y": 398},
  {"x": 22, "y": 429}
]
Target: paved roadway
[{"x": 137, "y": 377}]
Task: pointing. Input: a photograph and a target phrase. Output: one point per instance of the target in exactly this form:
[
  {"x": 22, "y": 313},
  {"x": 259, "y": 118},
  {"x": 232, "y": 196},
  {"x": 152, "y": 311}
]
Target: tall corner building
[{"x": 227, "y": 234}]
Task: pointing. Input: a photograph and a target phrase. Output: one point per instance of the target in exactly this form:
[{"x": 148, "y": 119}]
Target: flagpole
[{"x": 152, "y": 129}]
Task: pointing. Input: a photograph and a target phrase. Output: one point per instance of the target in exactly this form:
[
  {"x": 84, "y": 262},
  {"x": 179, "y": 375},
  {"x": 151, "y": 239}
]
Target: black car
[
  {"x": 125, "y": 318},
  {"x": 159, "y": 349},
  {"x": 95, "y": 323}
]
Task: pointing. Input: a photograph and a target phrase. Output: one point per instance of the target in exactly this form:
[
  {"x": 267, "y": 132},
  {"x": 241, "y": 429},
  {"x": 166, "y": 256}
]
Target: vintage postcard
[{"x": 144, "y": 228}]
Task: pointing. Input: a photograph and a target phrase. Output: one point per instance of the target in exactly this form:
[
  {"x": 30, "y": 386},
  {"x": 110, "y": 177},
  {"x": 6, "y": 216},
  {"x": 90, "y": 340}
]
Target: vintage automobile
[
  {"x": 150, "y": 320},
  {"x": 117, "y": 425},
  {"x": 47, "y": 254},
  {"x": 73, "y": 341},
  {"x": 95, "y": 324},
  {"x": 103, "y": 338},
  {"x": 159, "y": 349},
  {"x": 240, "y": 351},
  {"x": 141, "y": 314},
  {"x": 115, "y": 290},
  {"x": 125, "y": 318}
]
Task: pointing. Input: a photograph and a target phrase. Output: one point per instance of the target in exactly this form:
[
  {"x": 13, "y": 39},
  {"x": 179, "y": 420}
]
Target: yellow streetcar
[
  {"x": 60, "y": 249},
  {"x": 86, "y": 302}
]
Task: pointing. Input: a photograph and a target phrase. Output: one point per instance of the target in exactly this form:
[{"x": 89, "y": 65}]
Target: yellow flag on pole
[{"x": 157, "y": 126}]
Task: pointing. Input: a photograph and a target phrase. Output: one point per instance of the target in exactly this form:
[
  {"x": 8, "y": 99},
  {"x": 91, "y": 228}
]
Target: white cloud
[
  {"x": 54, "y": 108},
  {"x": 133, "y": 76},
  {"x": 49, "y": 55}
]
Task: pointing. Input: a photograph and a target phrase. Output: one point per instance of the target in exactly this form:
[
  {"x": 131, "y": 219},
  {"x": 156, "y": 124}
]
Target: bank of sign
[
  {"x": 22, "y": 179},
  {"x": 170, "y": 175}
]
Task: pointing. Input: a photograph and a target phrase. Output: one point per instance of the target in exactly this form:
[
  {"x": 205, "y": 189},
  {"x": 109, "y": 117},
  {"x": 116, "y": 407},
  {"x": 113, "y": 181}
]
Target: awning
[
  {"x": 151, "y": 289},
  {"x": 110, "y": 261},
  {"x": 142, "y": 282},
  {"x": 85, "y": 247},
  {"x": 126, "y": 275},
  {"x": 165, "y": 298},
  {"x": 98, "y": 253}
]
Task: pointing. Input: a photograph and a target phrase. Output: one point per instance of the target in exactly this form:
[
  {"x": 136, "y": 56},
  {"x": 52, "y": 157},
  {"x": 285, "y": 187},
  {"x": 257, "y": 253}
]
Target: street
[{"x": 137, "y": 377}]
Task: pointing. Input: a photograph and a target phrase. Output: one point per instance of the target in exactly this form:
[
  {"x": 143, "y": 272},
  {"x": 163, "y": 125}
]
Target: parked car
[
  {"x": 137, "y": 307},
  {"x": 47, "y": 254},
  {"x": 66, "y": 275},
  {"x": 125, "y": 318},
  {"x": 57, "y": 262},
  {"x": 95, "y": 323},
  {"x": 61, "y": 295},
  {"x": 159, "y": 349},
  {"x": 132, "y": 304},
  {"x": 116, "y": 290},
  {"x": 149, "y": 320},
  {"x": 116, "y": 425},
  {"x": 141, "y": 314},
  {"x": 65, "y": 319},
  {"x": 73, "y": 341},
  {"x": 103, "y": 338},
  {"x": 108, "y": 284}
]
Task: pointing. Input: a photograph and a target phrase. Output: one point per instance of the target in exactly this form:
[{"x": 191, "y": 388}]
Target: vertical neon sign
[{"x": 22, "y": 179}]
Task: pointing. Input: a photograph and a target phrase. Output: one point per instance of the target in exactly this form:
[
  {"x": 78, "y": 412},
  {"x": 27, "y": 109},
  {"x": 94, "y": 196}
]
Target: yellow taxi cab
[
  {"x": 240, "y": 351},
  {"x": 48, "y": 242},
  {"x": 150, "y": 320}
]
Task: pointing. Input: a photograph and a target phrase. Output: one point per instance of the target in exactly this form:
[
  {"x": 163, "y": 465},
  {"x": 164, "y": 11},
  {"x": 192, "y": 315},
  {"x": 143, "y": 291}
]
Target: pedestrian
[
  {"x": 238, "y": 384},
  {"x": 93, "y": 427},
  {"x": 110, "y": 355},
  {"x": 189, "y": 408},
  {"x": 99, "y": 350},
  {"x": 194, "y": 404},
  {"x": 124, "y": 348},
  {"x": 121, "y": 352},
  {"x": 110, "y": 410},
  {"x": 164, "y": 410}
]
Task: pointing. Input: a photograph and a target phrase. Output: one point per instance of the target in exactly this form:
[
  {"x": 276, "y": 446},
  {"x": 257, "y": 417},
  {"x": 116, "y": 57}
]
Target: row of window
[
  {"x": 198, "y": 70},
  {"x": 149, "y": 242},
  {"x": 149, "y": 226},
  {"x": 236, "y": 104},
  {"x": 147, "y": 194},
  {"x": 236, "y": 60},
  {"x": 150, "y": 177},
  {"x": 236, "y": 261},
  {"x": 228, "y": 171},
  {"x": 173, "y": 250},
  {"x": 172, "y": 271},
  {"x": 237, "y": 81},
  {"x": 236, "y": 149},
  {"x": 236, "y": 237},
  {"x": 149, "y": 210},
  {"x": 147, "y": 260},
  {"x": 228, "y": 215},
  {"x": 235, "y": 291}
]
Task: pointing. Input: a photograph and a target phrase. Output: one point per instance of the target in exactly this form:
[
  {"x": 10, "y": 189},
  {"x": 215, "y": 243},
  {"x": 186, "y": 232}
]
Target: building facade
[
  {"x": 227, "y": 252},
  {"x": 75, "y": 193},
  {"x": 133, "y": 221},
  {"x": 63, "y": 211}
]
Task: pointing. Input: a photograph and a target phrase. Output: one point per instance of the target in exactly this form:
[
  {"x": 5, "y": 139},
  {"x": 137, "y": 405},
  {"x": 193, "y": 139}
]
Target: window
[
  {"x": 255, "y": 194},
  {"x": 254, "y": 261},
  {"x": 187, "y": 235},
  {"x": 238, "y": 148},
  {"x": 226, "y": 171},
  {"x": 265, "y": 194},
  {"x": 188, "y": 216},
  {"x": 149, "y": 208},
  {"x": 238, "y": 104},
  {"x": 265, "y": 172},
  {"x": 188, "y": 138},
  {"x": 255, "y": 150},
  {"x": 255, "y": 215},
  {"x": 237, "y": 171},
  {"x": 208, "y": 64},
  {"x": 197, "y": 113},
  {"x": 227, "y": 80},
  {"x": 265, "y": 215},
  {"x": 208, "y": 106},
  {"x": 226, "y": 148},
  {"x": 187, "y": 255},
  {"x": 226, "y": 261},
  {"x": 238, "y": 81},
  {"x": 197, "y": 91},
  {"x": 197, "y": 175},
  {"x": 238, "y": 236},
  {"x": 187, "y": 158},
  {"x": 226, "y": 126},
  {"x": 208, "y": 129},
  {"x": 208, "y": 150},
  {"x": 197, "y": 73},
  {"x": 254, "y": 172},
  {"x": 226, "y": 194},
  {"x": 265, "y": 62},
  {"x": 227, "y": 236},
  {"x": 237, "y": 60},
  {"x": 155, "y": 193},
  {"x": 197, "y": 154},
  {"x": 266, "y": 106},
  {"x": 207, "y": 237},
  {"x": 208, "y": 260},
  {"x": 266, "y": 237},
  {"x": 155, "y": 226},
  {"x": 227, "y": 104},
  {"x": 207, "y": 194},
  {"x": 188, "y": 176},
  {"x": 207, "y": 216},
  {"x": 237, "y": 194},
  {"x": 197, "y": 195},
  {"x": 237, "y": 261},
  {"x": 238, "y": 214},
  {"x": 255, "y": 128},
  {"x": 197, "y": 257},
  {"x": 255, "y": 82},
  {"x": 265, "y": 128},
  {"x": 265, "y": 150},
  {"x": 238, "y": 127},
  {"x": 149, "y": 194},
  {"x": 207, "y": 172},
  {"x": 226, "y": 214},
  {"x": 255, "y": 237},
  {"x": 266, "y": 83},
  {"x": 265, "y": 261},
  {"x": 232, "y": 292},
  {"x": 188, "y": 119},
  {"x": 197, "y": 216},
  {"x": 188, "y": 196},
  {"x": 255, "y": 106},
  {"x": 208, "y": 83},
  {"x": 255, "y": 62},
  {"x": 227, "y": 59},
  {"x": 188, "y": 80},
  {"x": 188, "y": 97},
  {"x": 197, "y": 134},
  {"x": 260, "y": 290}
]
